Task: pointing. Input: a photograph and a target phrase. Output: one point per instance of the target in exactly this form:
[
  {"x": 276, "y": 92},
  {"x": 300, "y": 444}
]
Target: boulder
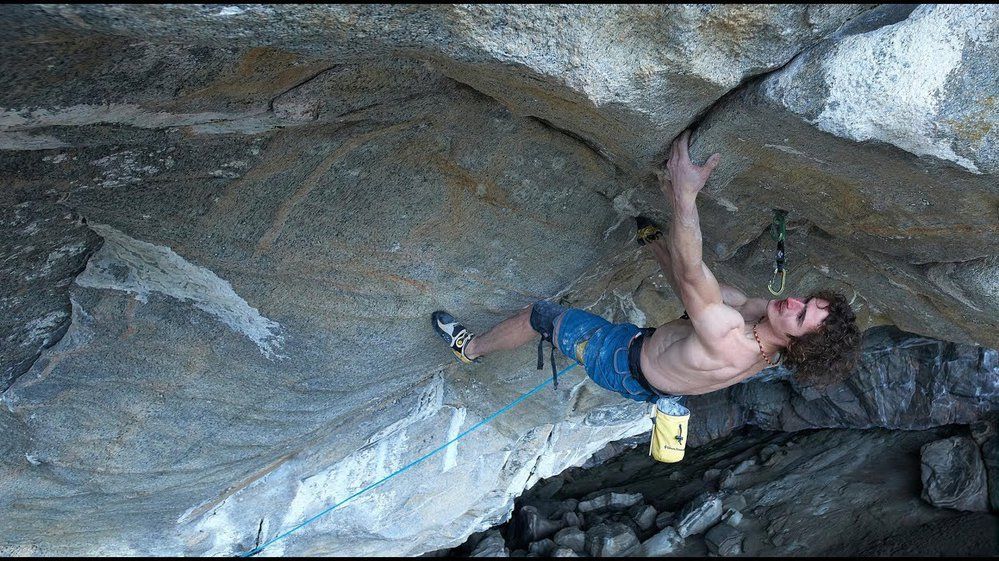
[
  {"x": 643, "y": 515},
  {"x": 986, "y": 435},
  {"x": 664, "y": 543},
  {"x": 572, "y": 538},
  {"x": 724, "y": 540},
  {"x": 572, "y": 519},
  {"x": 610, "y": 501},
  {"x": 734, "y": 502},
  {"x": 732, "y": 517},
  {"x": 699, "y": 515},
  {"x": 543, "y": 548},
  {"x": 664, "y": 519},
  {"x": 531, "y": 526},
  {"x": 492, "y": 545},
  {"x": 611, "y": 540},
  {"x": 953, "y": 475}
]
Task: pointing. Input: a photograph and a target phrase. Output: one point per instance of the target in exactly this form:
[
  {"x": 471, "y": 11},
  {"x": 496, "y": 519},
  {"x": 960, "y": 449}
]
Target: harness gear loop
[{"x": 778, "y": 232}]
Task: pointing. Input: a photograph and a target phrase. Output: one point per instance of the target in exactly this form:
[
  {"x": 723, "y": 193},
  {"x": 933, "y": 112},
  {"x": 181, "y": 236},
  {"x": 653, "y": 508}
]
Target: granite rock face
[
  {"x": 226, "y": 227},
  {"x": 887, "y": 142},
  {"x": 625, "y": 78},
  {"x": 42, "y": 249}
]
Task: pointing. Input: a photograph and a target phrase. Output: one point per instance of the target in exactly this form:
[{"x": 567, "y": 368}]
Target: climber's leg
[
  {"x": 522, "y": 327},
  {"x": 506, "y": 335}
]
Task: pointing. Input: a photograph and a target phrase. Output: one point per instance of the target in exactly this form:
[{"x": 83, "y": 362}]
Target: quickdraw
[{"x": 778, "y": 232}]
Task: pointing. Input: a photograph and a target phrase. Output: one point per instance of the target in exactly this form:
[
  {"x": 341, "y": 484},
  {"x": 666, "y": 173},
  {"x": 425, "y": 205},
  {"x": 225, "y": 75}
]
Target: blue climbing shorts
[{"x": 605, "y": 353}]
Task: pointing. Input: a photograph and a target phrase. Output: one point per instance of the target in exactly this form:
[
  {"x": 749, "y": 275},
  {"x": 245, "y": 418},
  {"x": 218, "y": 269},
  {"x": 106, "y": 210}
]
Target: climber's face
[{"x": 795, "y": 317}]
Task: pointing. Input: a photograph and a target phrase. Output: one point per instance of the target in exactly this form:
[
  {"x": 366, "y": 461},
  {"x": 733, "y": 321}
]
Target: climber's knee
[{"x": 543, "y": 316}]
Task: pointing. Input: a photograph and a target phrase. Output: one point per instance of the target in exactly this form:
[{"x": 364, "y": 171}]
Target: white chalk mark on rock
[
  {"x": 457, "y": 420},
  {"x": 428, "y": 404},
  {"x": 140, "y": 268}
]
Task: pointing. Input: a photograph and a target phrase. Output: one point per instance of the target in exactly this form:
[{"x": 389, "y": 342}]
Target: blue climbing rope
[{"x": 513, "y": 404}]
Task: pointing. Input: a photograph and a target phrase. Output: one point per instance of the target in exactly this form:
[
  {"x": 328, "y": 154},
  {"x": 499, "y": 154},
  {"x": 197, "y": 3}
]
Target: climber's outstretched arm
[
  {"x": 661, "y": 250},
  {"x": 697, "y": 286},
  {"x": 750, "y": 308}
]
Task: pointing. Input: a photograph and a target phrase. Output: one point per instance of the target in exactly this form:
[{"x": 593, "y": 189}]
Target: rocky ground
[{"x": 760, "y": 493}]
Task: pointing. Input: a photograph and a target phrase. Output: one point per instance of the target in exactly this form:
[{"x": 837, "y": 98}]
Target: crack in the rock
[
  {"x": 751, "y": 80},
  {"x": 589, "y": 144},
  {"x": 260, "y": 531},
  {"x": 541, "y": 452},
  {"x": 60, "y": 331},
  {"x": 270, "y": 103}
]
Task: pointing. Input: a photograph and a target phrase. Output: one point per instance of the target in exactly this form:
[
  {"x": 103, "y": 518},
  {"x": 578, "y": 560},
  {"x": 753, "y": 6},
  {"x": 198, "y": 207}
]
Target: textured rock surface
[
  {"x": 663, "y": 543},
  {"x": 986, "y": 434},
  {"x": 572, "y": 538},
  {"x": 626, "y": 78},
  {"x": 609, "y": 501},
  {"x": 282, "y": 190},
  {"x": 610, "y": 540},
  {"x": 42, "y": 249},
  {"x": 886, "y": 142},
  {"x": 699, "y": 515},
  {"x": 902, "y": 382},
  {"x": 808, "y": 495},
  {"x": 724, "y": 540},
  {"x": 954, "y": 475},
  {"x": 492, "y": 545}
]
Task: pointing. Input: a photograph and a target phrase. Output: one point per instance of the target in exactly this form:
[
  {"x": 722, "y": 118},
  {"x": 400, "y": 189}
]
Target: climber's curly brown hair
[{"x": 829, "y": 355}]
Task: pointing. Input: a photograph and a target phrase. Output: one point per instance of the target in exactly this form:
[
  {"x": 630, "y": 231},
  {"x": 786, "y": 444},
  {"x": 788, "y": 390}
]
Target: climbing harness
[
  {"x": 513, "y": 404},
  {"x": 778, "y": 232},
  {"x": 543, "y": 314}
]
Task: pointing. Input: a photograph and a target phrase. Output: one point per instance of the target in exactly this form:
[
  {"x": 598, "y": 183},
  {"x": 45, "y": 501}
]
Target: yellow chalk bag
[{"x": 669, "y": 430}]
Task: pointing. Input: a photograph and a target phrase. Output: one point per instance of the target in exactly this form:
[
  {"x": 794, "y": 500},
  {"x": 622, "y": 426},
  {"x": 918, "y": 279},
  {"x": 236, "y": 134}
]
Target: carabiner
[{"x": 783, "y": 277}]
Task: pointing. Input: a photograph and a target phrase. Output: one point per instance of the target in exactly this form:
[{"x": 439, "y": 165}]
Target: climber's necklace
[{"x": 760, "y": 343}]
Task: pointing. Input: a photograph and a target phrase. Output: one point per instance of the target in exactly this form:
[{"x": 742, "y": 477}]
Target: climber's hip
[{"x": 609, "y": 352}]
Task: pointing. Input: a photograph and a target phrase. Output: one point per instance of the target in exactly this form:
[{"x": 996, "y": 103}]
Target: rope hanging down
[{"x": 514, "y": 403}]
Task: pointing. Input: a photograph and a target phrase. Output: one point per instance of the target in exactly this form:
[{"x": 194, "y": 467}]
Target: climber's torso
[{"x": 675, "y": 360}]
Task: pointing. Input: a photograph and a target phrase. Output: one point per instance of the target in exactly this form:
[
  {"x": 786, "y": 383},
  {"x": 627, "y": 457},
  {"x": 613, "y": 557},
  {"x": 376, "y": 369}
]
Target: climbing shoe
[
  {"x": 453, "y": 333},
  {"x": 647, "y": 230}
]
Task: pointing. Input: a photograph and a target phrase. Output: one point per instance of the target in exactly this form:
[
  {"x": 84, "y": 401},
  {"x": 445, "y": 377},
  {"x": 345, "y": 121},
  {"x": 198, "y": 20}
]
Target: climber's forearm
[
  {"x": 698, "y": 288},
  {"x": 685, "y": 244},
  {"x": 661, "y": 251}
]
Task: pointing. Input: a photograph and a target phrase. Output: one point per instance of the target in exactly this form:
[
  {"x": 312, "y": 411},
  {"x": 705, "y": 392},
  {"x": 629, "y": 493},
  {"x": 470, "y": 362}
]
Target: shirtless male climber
[{"x": 723, "y": 338}]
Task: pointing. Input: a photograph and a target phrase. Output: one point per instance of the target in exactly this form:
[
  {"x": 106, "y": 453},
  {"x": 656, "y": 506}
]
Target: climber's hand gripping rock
[{"x": 683, "y": 179}]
